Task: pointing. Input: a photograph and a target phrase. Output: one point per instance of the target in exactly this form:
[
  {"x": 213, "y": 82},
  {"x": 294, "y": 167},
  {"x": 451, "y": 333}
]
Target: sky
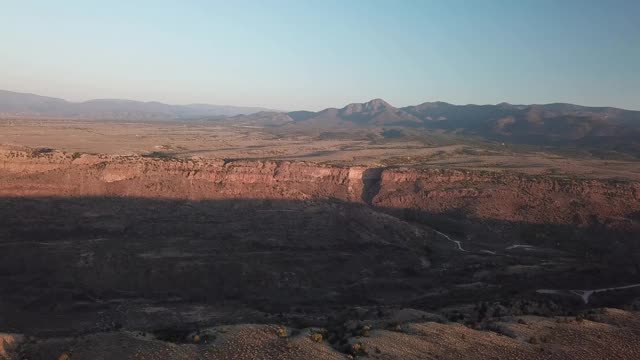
[{"x": 304, "y": 54}]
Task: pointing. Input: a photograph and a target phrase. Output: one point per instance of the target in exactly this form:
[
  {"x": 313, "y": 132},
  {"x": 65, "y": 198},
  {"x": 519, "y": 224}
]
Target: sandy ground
[
  {"x": 219, "y": 140},
  {"x": 613, "y": 334}
]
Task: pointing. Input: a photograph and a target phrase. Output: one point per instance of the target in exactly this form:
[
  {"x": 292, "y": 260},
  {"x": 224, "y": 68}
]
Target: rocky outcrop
[{"x": 8, "y": 344}]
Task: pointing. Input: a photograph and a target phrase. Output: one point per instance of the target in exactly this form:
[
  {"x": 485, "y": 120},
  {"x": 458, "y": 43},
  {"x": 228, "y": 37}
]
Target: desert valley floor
[{"x": 218, "y": 240}]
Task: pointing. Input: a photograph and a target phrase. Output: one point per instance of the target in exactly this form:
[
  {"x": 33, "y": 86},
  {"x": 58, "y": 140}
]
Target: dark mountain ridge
[
  {"x": 546, "y": 123},
  {"x": 376, "y": 112}
]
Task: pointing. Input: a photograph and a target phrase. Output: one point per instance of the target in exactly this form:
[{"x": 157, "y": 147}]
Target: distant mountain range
[
  {"x": 29, "y": 105},
  {"x": 534, "y": 124}
]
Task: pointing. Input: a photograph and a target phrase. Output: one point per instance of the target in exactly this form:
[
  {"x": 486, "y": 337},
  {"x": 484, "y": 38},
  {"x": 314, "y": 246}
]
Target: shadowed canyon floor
[{"x": 141, "y": 257}]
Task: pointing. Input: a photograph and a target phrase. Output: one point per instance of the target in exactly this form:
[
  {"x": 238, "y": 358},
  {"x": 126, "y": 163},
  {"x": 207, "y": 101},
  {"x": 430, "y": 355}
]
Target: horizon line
[{"x": 266, "y": 108}]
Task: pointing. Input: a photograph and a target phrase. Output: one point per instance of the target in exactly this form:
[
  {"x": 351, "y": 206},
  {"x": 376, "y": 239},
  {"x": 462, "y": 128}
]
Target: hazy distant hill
[{"x": 30, "y": 105}]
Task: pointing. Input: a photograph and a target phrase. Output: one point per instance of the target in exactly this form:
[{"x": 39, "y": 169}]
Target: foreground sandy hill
[{"x": 613, "y": 334}]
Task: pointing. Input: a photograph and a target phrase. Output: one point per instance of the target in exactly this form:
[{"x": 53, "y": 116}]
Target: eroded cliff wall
[{"x": 479, "y": 194}]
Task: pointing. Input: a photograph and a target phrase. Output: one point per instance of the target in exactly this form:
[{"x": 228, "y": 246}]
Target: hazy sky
[{"x": 314, "y": 54}]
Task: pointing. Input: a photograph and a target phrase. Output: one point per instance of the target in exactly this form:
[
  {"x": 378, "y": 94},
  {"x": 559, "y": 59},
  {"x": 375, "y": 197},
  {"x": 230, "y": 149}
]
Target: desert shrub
[
  {"x": 281, "y": 331},
  {"x": 160, "y": 155},
  {"x": 499, "y": 329},
  {"x": 455, "y": 316},
  {"x": 358, "y": 349},
  {"x": 392, "y": 133},
  {"x": 482, "y": 309},
  {"x": 361, "y": 330},
  {"x": 41, "y": 151},
  {"x": 365, "y": 330},
  {"x": 316, "y": 337},
  {"x": 394, "y": 326}
]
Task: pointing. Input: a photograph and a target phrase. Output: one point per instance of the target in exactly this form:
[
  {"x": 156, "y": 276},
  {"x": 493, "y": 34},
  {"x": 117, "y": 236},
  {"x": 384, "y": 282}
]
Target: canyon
[{"x": 108, "y": 247}]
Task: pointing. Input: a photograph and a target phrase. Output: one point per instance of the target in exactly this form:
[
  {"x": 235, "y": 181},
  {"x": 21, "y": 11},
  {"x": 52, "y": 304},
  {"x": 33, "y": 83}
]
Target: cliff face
[
  {"x": 478, "y": 194},
  {"x": 58, "y": 174},
  {"x": 510, "y": 197}
]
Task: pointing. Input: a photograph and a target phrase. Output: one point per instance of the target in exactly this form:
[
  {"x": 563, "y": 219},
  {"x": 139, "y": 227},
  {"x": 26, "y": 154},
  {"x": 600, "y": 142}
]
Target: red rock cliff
[{"x": 482, "y": 195}]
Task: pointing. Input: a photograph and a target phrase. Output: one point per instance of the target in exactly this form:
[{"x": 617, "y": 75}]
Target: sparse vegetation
[
  {"x": 41, "y": 151},
  {"x": 358, "y": 349},
  {"x": 316, "y": 337},
  {"x": 160, "y": 155},
  {"x": 282, "y": 332}
]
